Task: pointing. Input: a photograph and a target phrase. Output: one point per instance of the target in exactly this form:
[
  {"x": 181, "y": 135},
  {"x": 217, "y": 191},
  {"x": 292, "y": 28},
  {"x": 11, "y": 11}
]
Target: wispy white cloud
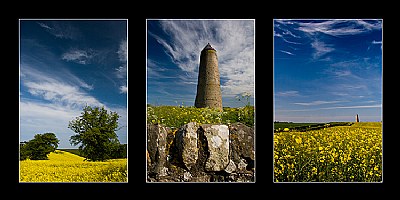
[
  {"x": 281, "y": 25},
  {"x": 62, "y": 93},
  {"x": 290, "y": 93},
  {"x": 122, "y": 71},
  {"x": 376, "y": 42},
  {"x": 233, "y": 40},
  {"x": 43, "y": 25},
  {"x": 334, "y": 107},
  {"x": 336, "y": 28},
  {"x": 339, "y": 27},
  {"x": 123, "y": 89},
  {"x": 284, "y": 39},
  {"x": 155, "y": 70},
  {"x": 320, "y": 49},
  {"x": 60, "y": 87},
  {"x": 62, "y": 30},
  {"x": 287, "y": 52},
  {"x": 353, "y": 107},
  {"x": 287, "y": 32},
  {"x": 122, "y": 51},
  {"x": 79, "y": 56},
  {"x": 315, "y": 103}
]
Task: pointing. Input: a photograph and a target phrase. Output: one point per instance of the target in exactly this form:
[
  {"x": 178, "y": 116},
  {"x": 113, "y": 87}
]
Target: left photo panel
[{"x": 73, "y": 100}]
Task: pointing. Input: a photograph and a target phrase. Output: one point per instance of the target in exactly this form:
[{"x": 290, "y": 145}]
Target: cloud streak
[
  {"x": 55, "y": 90},
  {"x": 62, "y": 30},
  {"x": 320, "y": 49},
  {"x": 315, "y": 103},
  {"x": 339, "y": 27},
  {"x": 122, "y": 71},
  {"x": 79, "y": 56},
  {"x": 291, "y": 93},
  {"x": 334, "y": 107},
  {"x": 287, "y": 52}
]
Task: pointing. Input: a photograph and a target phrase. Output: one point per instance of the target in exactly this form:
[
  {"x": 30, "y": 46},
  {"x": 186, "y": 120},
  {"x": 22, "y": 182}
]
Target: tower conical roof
[{"x": 208, "y": 46}]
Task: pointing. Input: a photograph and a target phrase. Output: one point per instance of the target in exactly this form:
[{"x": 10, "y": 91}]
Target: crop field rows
[
  {"x": 67, "y": 167},
  {"x": 335, "y": 154}
]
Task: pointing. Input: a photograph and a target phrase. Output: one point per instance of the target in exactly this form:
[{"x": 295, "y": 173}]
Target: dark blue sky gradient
[{"x": 327, "y": 70}]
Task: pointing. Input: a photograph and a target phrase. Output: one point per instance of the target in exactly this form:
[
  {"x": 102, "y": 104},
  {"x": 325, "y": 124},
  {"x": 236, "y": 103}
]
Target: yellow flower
[{"x": 314, "y": 170}]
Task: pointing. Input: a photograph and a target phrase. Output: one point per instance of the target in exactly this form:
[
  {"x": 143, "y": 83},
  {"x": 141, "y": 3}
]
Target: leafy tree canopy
[
  {"x": 95, "y": 129},
  {"x": 39, "y": 147}
]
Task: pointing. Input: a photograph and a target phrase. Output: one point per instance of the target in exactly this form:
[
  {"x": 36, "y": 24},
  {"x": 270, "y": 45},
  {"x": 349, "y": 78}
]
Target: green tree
[
  {"x": 95, "y": 130},
  {"x": 39, "y": 147}
]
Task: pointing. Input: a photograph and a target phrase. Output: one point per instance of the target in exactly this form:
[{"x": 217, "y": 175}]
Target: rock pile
[{"x": 200, "y": 153}]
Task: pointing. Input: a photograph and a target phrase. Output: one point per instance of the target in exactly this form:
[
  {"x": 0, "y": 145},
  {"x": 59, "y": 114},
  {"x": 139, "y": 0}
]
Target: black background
[{"x": 137, "y": 13}]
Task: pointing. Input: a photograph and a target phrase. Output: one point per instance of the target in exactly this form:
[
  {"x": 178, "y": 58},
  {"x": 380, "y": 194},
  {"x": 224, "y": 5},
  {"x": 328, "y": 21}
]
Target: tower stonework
[{"x": 208, "y": 85}]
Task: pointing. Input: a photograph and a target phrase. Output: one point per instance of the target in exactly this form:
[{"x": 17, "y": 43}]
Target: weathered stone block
[
  {"x": 242, "y": 145},
  {"x": 156, "y": 148},
  {"x": 186, "y": 143},
  {"x": 218, "y": 146}
]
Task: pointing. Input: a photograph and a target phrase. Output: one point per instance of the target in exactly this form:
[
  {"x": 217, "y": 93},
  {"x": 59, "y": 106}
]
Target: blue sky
[
  {"x": 327, "y": 70},
  {"x": 173, "y": 57},
  {"x": 65, "y": 65}
]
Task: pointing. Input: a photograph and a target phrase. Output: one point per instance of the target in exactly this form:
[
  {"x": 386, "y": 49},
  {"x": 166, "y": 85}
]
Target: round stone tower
[{"x": 208, "y": 85}]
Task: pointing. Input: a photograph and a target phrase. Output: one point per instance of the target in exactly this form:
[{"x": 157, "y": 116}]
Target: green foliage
[
  {"x": 39, "y": 147},
  {"x": 95, "y": 130},
  {"x": 177, "y": 116}
]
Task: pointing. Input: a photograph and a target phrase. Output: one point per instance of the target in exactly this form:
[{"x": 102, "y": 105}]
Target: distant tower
[
  {"x": 357, "y": 119},
  {"x": 208, "y": 85}
]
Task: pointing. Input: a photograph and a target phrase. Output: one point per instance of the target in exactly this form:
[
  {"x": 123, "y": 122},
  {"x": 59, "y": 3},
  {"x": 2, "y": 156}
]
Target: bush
[{"x": 39, "y": 147}]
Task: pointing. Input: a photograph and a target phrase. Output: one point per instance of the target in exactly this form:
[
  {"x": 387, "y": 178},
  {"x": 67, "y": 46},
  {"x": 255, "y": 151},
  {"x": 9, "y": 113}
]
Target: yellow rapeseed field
[
  {"x": 336, "y": 154},
  {"x": 67, "y": 167}
]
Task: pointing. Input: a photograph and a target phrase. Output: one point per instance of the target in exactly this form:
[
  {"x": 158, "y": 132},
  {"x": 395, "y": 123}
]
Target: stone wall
[{"x": 200, "y": 153}]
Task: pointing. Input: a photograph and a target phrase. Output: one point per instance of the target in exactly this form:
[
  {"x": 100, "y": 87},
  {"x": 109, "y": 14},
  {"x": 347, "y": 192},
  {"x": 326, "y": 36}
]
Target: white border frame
[
  {"x": 19, "y": 94},
  {"x": 254, "y": 91},
  {"x": 273, "y": 75}
]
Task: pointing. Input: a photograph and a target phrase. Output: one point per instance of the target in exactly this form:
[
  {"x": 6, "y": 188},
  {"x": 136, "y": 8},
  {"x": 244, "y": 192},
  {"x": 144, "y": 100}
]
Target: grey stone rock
[
  {"x": 163, "y": 172},
  {"x": 218, "y": 146},
  {"x": 242, "y": 145},
  {"x": 201, "y": 177},
  {"x": 156, "y": 146},
  {"x": 231, "y": 167},
  {"x": 186, "y": 143},
  {"x": 187, "y": 176},
  {"x": 242, "y": 165}
]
